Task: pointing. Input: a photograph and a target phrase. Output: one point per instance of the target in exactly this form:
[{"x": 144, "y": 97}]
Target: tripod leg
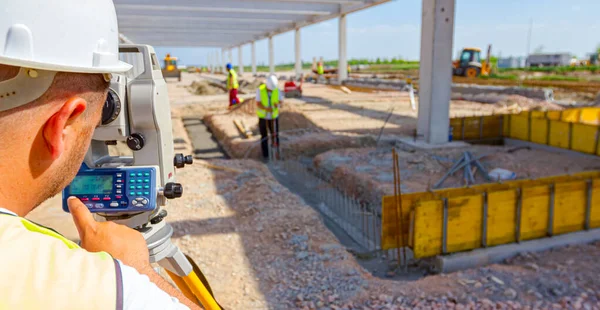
[
  {"x": 199, "y": 290},
  {"x": 183, "y": 287}
]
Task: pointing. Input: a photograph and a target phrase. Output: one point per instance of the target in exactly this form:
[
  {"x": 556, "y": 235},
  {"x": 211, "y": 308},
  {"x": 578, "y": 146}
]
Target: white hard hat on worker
[
  {"x": 272, "y": 82},
  {"x": 38, "y": 43}
]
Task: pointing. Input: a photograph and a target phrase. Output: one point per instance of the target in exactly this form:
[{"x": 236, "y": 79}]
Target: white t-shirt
[
  {"x": 138, "y": 291},
  {"x": 258, "y": 99}
]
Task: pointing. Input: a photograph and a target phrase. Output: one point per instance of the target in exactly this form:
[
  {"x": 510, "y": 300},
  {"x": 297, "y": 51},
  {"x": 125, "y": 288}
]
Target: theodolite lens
[{"x": 112, "y": 107}]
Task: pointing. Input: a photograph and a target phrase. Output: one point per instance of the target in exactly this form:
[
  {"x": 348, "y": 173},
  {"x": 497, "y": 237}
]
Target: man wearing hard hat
[
  {"x": 232, "y": 85},
  {"x": 56, "y": 58},
  {"x": 268, "y": 101}
]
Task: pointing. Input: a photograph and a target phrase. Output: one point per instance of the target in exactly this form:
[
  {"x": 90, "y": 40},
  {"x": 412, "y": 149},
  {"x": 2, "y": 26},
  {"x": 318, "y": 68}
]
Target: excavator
[
  {"x": 170, "y": 68},
  {"x": 470, "y": 64}
]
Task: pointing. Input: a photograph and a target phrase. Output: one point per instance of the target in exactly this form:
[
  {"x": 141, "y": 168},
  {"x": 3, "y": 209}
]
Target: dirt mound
[
  {"x": 205, "y": 88},
  {"x": 517, "y": 102}
]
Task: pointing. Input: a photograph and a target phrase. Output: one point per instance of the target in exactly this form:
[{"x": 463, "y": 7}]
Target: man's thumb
[{"x": 81, "y": 215}]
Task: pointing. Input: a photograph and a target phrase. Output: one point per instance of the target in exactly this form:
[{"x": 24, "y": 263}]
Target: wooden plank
[
  {"x": 569, "y": 207},
  {"x": 464, "y": 223},
  {"x": 501, "y": 217},
  {"x": 519, "y": 126},
  {"x": 534, "y": 211},
  {"x": 428, "y": 229},
  {"x": 559, "y": 134},
  {"x": 539, "y": 130},
  {"x": 584, "y": 138}
]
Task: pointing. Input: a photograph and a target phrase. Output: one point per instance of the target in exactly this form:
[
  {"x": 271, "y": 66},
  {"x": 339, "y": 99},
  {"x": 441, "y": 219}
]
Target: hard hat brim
[{"x": 120, "y": 67}]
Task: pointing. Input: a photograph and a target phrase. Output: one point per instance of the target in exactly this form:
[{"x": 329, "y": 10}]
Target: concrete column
[
  {"x": 240, "y": 61},
  {"x": 209, "y": 63},
  {"x": 216, "y": 65},
  {"x": 435, "y": 73},
  {"x": 271, "y": 56},
  {"x": 230, "y": 56},
  {"x": 253, "y": 48},
  {"x": 298, "y": 55},
  {"x": 223, "y": 61},
  {"x": 342, "y": 59}
]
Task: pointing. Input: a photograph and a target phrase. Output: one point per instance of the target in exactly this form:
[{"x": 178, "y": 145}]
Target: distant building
[
  {"x": 511, "y": 62},
  {"x": 549, "y": 60}
]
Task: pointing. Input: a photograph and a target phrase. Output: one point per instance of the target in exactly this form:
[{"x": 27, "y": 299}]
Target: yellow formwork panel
[
  {"x": 501, "y": 219},
  {"x": 571, "y": 116},
  {"x": 389, "y": 224},
  {"x": 534, "y": 211},
  {"x": 456, "y": 124},
  {"x": 539, "y": 130},
  {"x": 492, "y": 126},
  {"x": 519, "y": 126},
  {"x": 428, "y": 228},
  {"x": 538, "y": 114},
  {"x": 506, "y": 124},
  {"x": 560, "y": 134},
  {"x": 584, "y": 138},
  {"x": 569, "y": 207},
  {"x": 595, "y": 205},
  {"x": 554, "y": 115},
  {"x": 464, "y": 223},
  {"x": 590, "y": 116}
]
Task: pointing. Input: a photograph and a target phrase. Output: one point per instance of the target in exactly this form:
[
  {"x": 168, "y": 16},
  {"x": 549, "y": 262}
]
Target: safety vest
[
  {"x": 320, "y": 69},
  {"x": 41, "y": 269},
  {"x": 232, "y": 75},
  {"x": 264, "y": 100}
]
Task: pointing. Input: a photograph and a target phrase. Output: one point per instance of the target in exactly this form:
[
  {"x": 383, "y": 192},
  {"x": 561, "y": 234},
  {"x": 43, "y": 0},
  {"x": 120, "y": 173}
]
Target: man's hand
[{"x": 121, "y": 242}]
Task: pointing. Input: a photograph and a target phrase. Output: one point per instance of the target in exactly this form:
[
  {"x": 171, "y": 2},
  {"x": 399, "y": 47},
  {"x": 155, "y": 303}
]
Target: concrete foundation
[
  {"x": 419, "y": 144},
  {"x": 482, "y": 257}
]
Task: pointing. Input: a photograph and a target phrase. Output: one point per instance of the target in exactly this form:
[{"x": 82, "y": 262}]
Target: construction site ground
[{"x": 262, "y": 247}]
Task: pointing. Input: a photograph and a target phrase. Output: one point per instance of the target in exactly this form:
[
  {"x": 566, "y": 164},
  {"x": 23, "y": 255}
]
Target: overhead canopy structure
[{"x": 224, "y": 23}]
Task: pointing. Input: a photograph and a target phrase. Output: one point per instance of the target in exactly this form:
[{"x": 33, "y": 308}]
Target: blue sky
[{"x": 393, "y": 30}]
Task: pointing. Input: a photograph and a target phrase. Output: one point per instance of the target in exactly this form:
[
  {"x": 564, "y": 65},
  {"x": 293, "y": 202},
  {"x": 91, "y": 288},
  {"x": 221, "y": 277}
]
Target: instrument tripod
[{"x": 181, "y": 269}]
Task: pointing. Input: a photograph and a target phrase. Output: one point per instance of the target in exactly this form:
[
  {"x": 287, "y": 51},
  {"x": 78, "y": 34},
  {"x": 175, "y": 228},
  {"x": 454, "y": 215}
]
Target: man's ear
[{"x": 56, "y": 126}]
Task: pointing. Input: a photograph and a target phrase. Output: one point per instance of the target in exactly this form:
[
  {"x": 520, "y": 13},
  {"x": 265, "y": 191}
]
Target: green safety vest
[
  {"x": 41, "y": 269},
  {"x": 320, "y": 69},
  {"x": 264, "y": 100},
  {"x": 232, "y": 75}
]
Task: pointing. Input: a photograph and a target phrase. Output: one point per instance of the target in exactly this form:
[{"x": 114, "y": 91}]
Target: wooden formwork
[{"x": 460, "y": 219}]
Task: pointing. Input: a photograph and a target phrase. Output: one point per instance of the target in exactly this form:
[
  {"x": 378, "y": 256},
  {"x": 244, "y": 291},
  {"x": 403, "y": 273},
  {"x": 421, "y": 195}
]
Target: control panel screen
[{"x": 92, "y": 185}]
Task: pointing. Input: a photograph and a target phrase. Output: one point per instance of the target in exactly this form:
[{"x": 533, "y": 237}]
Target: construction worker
[
  {"x": 320, "y": 69},
  {"x": 232, "y": 85},
  {"x": 268, "y": 101},
  {"x": 55, "y": 65}
]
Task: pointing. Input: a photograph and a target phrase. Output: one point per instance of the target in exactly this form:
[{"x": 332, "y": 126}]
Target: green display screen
[{"x": 92, "y": 185}]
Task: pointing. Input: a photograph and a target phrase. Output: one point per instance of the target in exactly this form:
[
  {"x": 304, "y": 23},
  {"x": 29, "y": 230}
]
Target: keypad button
[
  {"x": 119, "y": 185},
  {"x": 132, "y": 181},
  {"x": 146, "y": 186},
  {"x": 114, "y": 204},
  {"x": 119, "y": 191},
  {"x": 84, "y": 199},
  {"x": 119, "y": 175},
  {"x": 99, "y": 205},
  {"x": 96, "y": 199},
  {"x": 139, "y": 199},
  {"x": 118, "y": 197},
  {"x": 131, "y": 186},
  {"x": 145, "y": 201},
  {"x": 123, "y": 203},
  {"x": 89, "y": 205},
  {"x": 146, "y": 193},
  {"x": 119, "y": 181},
  {"x": 139, "y": 187},
  {"x": 146, "y": 181},
  {"x": 146, "y": 174},
  {"x": 132, "y": 174},
  {"x": 139, "y": 174},
  {"x": 139, "y": 193},
  {"x": 106, "y": 198},
  {"x": 131, "y": 193}
]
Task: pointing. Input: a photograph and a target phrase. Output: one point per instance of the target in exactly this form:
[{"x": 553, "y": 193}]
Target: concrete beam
[
  {"x": 342, "y": 59},
  {"x": 271, "y": 56},
  {"x": 435, "y": 80},
  {"x": 253, "y": 44},
  {"x": 298, "y": 55}
]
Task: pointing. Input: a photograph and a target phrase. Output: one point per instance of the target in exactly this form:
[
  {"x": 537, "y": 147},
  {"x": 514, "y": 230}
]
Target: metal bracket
[
  {"x": 518, "y": 215},
  {"x": 551, "y": 211},
  {"x": 484, "y": 221}
]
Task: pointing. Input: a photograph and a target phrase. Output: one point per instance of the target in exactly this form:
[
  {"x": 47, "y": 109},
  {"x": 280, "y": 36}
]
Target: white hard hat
[
  {"x": 272, "y": 82},
  {"x": 65, "y": 35}
]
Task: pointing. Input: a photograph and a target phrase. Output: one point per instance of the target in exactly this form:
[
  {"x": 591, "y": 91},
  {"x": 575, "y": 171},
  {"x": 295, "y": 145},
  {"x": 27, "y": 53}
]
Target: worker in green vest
[
  {"x": 56, "y": 63},
  {"x": 320, "y": 69},
  {"x": 232, "y": 85},
  {"x": 268, "y": 101}
]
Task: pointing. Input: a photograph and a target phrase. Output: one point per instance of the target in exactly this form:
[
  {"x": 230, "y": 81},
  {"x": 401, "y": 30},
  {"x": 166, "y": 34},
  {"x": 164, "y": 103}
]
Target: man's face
[{"x": 73, "y": 156}]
